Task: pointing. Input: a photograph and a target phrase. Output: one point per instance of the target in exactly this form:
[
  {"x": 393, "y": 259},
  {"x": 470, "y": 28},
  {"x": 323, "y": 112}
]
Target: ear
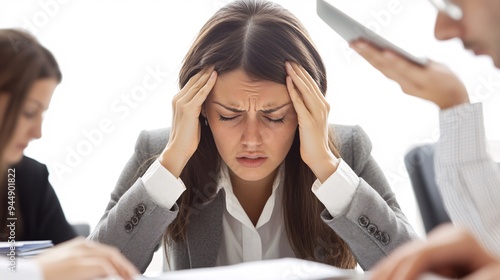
[{"x": 203, "y": 111}]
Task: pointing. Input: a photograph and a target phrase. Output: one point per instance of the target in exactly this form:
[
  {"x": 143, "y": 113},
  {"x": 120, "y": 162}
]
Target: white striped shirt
[{"x": 469, "y": 180}]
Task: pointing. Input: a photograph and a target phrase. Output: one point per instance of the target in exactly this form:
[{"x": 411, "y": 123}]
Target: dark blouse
[{"x": 42, "y": 215}]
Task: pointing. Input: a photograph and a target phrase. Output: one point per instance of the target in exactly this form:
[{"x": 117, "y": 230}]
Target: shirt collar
[{"x": 234, "y": 207}]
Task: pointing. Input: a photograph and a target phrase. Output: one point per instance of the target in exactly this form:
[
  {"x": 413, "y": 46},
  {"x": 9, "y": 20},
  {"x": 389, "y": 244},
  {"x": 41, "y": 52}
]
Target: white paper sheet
[{"x": 286, "y": 268}]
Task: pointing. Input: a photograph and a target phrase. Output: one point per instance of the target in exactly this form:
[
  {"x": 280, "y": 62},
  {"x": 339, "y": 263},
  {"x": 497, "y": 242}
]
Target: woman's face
[
  {"x": 29, "y": 123},
  {"x": 253, "y": 123},
  {"x": 4, "y": 101}
]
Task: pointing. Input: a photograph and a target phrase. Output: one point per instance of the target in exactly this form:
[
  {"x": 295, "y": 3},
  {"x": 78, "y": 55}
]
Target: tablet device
[{"x": 352, "y": 30}]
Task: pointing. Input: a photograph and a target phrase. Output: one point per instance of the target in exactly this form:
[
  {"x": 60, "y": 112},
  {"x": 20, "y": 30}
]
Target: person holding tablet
[
  {"x": 468, "y": 179},
  {"x": 250, "y": 169},
  {"x": 28, "y": 76}
]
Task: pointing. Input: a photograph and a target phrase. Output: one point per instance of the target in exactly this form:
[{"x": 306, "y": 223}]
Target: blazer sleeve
[
  {"x": 133, "y": 222},
  {"x": 373, "y": 224}
]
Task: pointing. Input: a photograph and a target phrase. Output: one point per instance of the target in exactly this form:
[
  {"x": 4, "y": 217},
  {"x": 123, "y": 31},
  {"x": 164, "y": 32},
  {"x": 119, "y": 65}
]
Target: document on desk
[
  {"x": 286, "y": 268},
  {"x": 25, "y": 248},
  {"x": 279, "y": 269}
]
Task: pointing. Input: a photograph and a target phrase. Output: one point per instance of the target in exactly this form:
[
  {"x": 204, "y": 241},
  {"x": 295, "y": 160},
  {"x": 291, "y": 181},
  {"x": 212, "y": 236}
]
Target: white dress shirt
[
  {"x": 241, "y": 240},
  {"x": 469, "y": 180}
]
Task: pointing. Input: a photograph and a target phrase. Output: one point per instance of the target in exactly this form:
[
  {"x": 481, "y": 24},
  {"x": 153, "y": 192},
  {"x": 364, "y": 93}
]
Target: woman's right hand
[
  {"x": 80, "y": 259},
  {"x": 186, "y": 130}
]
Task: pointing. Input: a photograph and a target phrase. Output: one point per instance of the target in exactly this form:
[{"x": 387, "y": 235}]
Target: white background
[{"x": 105, "y": 49}]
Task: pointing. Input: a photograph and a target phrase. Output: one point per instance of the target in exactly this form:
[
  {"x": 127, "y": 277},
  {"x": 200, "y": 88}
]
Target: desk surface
[{"x": 282, "y": 269}]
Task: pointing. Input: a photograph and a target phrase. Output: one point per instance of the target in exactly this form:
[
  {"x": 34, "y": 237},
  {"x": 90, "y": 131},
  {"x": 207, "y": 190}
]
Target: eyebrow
[
  {"x": 272, "y": 110},
  {"x": 229, "y": 108},
  {"x": 265, "y": 111},
  {"x": 38, "y": 103}
]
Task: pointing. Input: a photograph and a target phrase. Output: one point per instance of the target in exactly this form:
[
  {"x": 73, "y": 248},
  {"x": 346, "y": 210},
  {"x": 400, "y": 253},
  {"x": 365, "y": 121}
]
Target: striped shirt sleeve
[{"x": 468, "y": 179}]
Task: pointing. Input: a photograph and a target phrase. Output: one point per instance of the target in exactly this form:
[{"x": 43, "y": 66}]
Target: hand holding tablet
[
  {"x": 418, "y": 77},
  {"x": 352, "y": 31}
]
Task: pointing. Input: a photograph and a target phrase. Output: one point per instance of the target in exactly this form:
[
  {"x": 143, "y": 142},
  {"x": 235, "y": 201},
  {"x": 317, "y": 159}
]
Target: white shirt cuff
[
  {"x": 25, "y": 269},
  {"x": 337, "y": 191},
  {"x": 162, "y": 186}
]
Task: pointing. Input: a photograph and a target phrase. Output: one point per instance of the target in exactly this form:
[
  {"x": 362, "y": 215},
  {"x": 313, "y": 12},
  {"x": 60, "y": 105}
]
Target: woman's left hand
[{"x": 312, "y": 112}]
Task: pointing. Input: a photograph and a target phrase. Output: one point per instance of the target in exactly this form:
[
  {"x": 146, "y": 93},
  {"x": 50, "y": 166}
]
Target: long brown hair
[
  {"x": 23, "y": 61},
  {"x": 258, "y": 37}
]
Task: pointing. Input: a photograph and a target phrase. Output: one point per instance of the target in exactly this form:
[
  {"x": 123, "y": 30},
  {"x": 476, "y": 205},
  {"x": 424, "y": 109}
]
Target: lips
[
  {"x": 473, "y": 49},
  {"x": 251, "y": 160},
  {"x": 22, "y": 146},
  {"x": 476, "y": 49}
]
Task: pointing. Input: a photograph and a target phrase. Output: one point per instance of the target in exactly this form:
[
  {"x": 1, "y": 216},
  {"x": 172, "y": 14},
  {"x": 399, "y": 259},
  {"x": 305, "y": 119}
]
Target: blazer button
[
  {"x": 363, "y": 221},
  {"x": 141, "y": 209},
  {"x": 385, "y": 239},
  {"x": 135, "y": 220},
  {"x": 129, "y": 227},
  {"x": 372, "y": 229},
  {"x": 378, "y": 235}
]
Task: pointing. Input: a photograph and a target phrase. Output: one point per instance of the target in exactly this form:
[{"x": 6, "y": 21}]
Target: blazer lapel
[{"x": 204, "y": 233}]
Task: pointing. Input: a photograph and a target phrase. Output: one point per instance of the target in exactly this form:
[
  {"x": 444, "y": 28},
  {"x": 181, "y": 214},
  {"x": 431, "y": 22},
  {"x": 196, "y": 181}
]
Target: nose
[
  {"x": 36, "y": 132},
  {"x": 252, "y": 133},
  {"x": 446, "y": 28}
]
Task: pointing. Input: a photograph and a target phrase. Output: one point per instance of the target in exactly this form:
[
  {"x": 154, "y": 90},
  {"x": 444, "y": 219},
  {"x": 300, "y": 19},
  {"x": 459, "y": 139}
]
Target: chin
[
  {"x": 496, "y": 62},
  {"x": 252, "y": 174},
  {"x": 13, "y": 158}
]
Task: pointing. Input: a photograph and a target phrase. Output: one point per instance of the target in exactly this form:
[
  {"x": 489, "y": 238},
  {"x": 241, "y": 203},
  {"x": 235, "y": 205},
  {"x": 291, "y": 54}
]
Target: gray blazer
[{"x": 373, "y": 225}]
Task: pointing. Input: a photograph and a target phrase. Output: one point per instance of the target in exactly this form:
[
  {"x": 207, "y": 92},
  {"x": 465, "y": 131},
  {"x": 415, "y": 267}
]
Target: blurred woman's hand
[{"x": 80, "y": 259}]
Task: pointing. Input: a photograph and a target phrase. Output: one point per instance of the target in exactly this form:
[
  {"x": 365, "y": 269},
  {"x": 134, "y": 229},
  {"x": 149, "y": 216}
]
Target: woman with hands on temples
[{"x": 250, "y": 169}]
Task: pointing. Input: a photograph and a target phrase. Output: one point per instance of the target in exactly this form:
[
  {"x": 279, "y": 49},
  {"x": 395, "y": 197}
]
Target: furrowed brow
[
  {"x": 229, "y": 108},
  {"x": 272, "y": 110}
]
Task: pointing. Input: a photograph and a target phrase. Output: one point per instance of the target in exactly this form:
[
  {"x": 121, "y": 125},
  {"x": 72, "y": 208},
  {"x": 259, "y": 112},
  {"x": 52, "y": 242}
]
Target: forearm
[
  {"x": 136, "y": 235},
  {"x": 371, "y": 228},
  {"x": 469, "y": 180}
]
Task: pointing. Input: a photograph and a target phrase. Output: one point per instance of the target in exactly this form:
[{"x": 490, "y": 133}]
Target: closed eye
[
  {"x": 282, "y": 120},
  {"x": 29, "y": 115},
  {"x": 225, "y": 119}
]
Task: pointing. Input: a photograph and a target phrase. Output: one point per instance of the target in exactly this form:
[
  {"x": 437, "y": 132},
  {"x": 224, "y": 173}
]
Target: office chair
[
  {"x": 420, "y": 165},
  {"x": 81, "y": 229}
]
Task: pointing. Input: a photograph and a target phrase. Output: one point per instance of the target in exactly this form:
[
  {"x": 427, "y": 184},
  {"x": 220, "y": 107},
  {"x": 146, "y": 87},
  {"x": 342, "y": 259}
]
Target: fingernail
[
  {"x": 287, "y": 64},
  {"x": 359, "y": 45},
  {"x": 212, "y": 76}
]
